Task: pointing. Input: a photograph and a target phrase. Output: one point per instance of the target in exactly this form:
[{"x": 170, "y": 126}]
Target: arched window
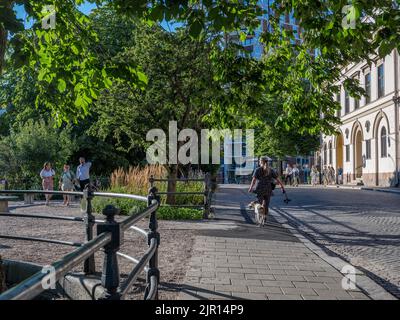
[
  {"x": 330, "y": 152},
  {"x": 325, "y": 154},
  {"x": 383, "y": 143}
]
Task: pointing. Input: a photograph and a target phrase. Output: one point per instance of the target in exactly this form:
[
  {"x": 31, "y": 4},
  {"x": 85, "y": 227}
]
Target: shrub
[
  {"x": 135, "y": 180},
  {"x": 129, "y": 207},
  {"x": 23, "y": 153},
  {"x": 174, "y": 213}
]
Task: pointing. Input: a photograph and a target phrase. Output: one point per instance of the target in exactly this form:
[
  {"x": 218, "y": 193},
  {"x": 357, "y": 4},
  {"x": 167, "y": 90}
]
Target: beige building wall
[{"x": 370, "y": 133}]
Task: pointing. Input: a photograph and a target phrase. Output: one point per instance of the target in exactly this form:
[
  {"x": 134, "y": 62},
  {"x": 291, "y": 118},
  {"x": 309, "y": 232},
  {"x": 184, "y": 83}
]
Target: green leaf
[
  {"x": 74, "y": 49},
  {"x": 61, "y": 85},
  {"x": 195, "y": 29}
]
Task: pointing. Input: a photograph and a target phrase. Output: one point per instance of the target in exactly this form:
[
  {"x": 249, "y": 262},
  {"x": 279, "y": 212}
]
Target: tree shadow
[{"x": 354, "y": 233}]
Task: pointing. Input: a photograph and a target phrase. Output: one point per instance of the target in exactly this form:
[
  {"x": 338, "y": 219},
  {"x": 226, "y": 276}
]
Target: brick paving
[{"x": 257, "y": 263}]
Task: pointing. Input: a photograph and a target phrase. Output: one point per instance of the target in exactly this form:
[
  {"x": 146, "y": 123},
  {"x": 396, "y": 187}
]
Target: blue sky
[{"x": 86, "y": 8}]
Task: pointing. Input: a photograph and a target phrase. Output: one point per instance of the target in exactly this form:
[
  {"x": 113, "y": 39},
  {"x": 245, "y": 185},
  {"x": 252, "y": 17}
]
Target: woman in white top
[{"x": 47, "y": 174}]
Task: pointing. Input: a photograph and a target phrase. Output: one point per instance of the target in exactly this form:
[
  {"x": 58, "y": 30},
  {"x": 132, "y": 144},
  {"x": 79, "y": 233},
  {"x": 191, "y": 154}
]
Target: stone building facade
[{"x": 367, "y": 146}]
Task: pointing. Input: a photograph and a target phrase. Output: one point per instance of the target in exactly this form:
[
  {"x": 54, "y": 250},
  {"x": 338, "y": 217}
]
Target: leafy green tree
[
  {"x": 181, "y": 87},
  {"x": 73, "y": 67},
  {"x": 27, "y": 148},
  {"x": 67, "y": 60},
  {"x": 279, "y": 144}
]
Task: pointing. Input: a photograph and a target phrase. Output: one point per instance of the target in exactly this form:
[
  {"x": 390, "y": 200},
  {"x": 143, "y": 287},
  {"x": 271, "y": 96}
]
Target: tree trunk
[
  {"x": 3, "y": 44},
  {"x": 3, "y": 40},
  {"x": 2, "y": 278},
  {"x": 172, "y": 176}
]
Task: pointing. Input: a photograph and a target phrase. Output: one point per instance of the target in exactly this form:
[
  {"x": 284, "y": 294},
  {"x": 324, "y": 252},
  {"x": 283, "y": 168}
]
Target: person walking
[
  {"x": 314, "y": 176},
  {"x": 66, "y": 183},
  {"x": 82, "y": 172},
  {"x": 47, "y": 174},
  {"x": 288, "y": 174},
  {"x": 325, "y": 176},
  {"x": 329, "y": 175},
  {"x": 306, "y": 171},
  {"x": 340, "y": 175},
  {"x": 333, "y": 175},
  {"x": 296, "y": 176},
  {"x": 264, "y": 176}
]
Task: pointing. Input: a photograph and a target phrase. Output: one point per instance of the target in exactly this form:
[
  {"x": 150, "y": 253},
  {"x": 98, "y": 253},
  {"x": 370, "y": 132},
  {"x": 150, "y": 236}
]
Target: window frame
[
  {"x": 381, "y": 80},
  {"x": 368, "y": 151},
  {"x": 346, "y": 102},
  {"x": 367, "y": 90}
]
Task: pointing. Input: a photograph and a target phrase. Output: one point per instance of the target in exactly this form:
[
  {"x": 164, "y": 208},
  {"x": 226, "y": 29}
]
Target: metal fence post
[
  {"x": 110, "y": 275},
  {"x": 151, "y": 180},
  {"x": 153, "y": 234},
  {"x": 89, "y": 264},
  {"x": 207, "y": 190}
]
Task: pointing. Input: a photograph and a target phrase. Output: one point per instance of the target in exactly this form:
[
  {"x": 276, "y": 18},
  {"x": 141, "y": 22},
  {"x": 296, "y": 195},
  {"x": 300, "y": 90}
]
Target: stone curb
[
  {"x": 393, "y": 191},
  {"x": 346, "y": 187},
  {"x": 370, "y": 287}
]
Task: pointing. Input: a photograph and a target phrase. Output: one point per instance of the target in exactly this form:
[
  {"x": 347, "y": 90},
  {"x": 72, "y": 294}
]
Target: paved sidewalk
[{"x": 249, "y": 262}]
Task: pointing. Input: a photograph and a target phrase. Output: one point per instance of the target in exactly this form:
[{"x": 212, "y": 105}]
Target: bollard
[
  {"x": 153, "y": 234},
  {"x": 110, "y": 275},
  {"x": 89, "y": 264}
]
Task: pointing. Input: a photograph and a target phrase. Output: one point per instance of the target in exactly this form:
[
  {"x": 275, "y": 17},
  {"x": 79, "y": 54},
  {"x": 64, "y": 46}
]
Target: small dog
[{"x": 260, "y": 213}]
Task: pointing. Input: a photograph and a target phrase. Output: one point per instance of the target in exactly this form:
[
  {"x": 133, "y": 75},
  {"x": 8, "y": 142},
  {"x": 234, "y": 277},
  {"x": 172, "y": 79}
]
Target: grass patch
[{"x": 130, "y": 207}]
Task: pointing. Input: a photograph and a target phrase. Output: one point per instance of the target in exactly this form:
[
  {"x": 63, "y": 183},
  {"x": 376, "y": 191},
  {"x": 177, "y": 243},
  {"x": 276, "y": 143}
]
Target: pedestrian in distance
[
  {"x": 296, "y": 176},
  {"x": 333, "y": 175},
  {"x": 340, "y": 175},
  {"x": 325, "y": 176},
  {"x": 83, "y": 173},
  {"x": 288, "y": 174},
  {"x": 314, "y": 176},
  {"x": 306, "y": 171},
  {"x": 66, "y": 183},
  {"x": 47, "y": 174}
]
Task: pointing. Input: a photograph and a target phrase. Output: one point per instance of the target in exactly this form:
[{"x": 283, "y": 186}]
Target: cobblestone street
[{"x": 363, "y": 227}]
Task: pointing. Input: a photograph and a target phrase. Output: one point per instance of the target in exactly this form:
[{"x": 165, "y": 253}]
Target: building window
[
  {"x": 338, "y": 96},
  {"x": 348, "y": 153},
  {"x": 325, "y": 155},
  {"x": 368, "y": 149},
  {"x": 381, "y": 80},
  {"x": 356, "y": 103},
  {"x": 368, "y": 88},
  {"x": 330, "y": 152},
  {"x": 367, "y": 125},
  {"x": 346, "y": 102},
  {"x": 383, "y": 143}
]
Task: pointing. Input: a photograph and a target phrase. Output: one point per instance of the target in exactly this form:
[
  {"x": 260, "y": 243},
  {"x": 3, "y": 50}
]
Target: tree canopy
[{"x": 73, "y": 67}]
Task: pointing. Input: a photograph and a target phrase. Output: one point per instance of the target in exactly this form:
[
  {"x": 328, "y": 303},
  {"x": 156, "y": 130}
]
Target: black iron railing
[
  {"x": 206, "y": 193},
  {"x": 109, "y": 237}
]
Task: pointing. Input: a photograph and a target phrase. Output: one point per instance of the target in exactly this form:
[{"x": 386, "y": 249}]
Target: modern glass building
[{"x": 252, "y": 44}]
